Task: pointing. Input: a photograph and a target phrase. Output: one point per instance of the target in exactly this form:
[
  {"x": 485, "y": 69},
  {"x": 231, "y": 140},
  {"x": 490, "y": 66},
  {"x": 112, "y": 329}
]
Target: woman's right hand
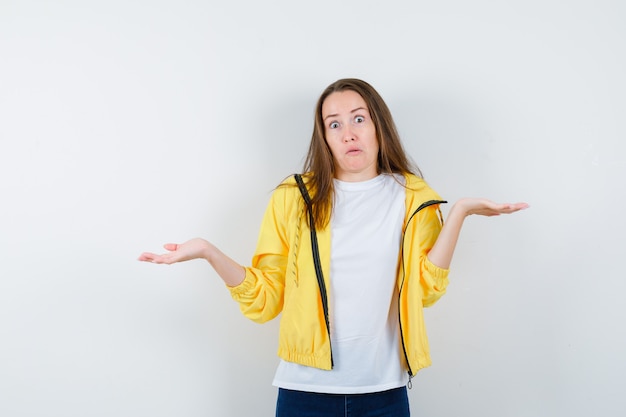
[{"x": 192, "y": 249}]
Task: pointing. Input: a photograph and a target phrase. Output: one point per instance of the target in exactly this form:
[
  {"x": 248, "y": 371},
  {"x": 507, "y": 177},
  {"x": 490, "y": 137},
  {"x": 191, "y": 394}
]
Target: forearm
[
  {"x": 230, "y": 271},
  {"x": 443, "y": 249}
]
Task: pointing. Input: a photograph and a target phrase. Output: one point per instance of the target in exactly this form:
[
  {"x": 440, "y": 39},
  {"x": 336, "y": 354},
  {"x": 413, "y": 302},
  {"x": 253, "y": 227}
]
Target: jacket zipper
[
  {"x": 323, "y": 293},
  {"x": 406, "y": 356},
  {"x": 316, "y": 261}
]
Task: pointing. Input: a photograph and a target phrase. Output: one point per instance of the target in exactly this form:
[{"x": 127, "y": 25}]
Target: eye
[
  {"x": 359, "y": 119},
  {"x": 333, "y": 125}
]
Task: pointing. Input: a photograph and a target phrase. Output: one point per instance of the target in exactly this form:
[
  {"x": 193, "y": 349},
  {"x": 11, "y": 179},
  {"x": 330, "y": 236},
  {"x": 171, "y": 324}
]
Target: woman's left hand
[
  {"x": 484, "y": 207},
  {"x": 442, "y": 250}
]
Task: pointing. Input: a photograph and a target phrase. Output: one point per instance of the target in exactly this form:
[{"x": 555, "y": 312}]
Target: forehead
[{"x": 342, "y": 102}]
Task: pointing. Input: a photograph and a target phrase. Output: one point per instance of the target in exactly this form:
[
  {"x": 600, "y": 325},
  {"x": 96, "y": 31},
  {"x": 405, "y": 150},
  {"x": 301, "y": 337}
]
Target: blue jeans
[{"x": 392, "y": 403}]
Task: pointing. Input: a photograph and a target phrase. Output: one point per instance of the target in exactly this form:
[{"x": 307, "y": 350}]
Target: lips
[{"x": 353, "y": 151}]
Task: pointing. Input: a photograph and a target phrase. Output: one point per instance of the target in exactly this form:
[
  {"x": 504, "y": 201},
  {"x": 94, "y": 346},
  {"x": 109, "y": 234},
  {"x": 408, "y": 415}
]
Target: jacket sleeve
[
  {"x": 260, "y": 295},
  {"x": 433, "y": 279}
]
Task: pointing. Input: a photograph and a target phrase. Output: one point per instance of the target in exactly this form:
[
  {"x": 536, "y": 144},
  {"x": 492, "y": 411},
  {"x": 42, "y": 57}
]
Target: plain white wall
[{"x": 125, "y": 125}]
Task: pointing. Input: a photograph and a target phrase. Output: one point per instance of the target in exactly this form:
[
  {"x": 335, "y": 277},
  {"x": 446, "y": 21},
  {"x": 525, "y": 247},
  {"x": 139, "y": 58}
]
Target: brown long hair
[{"x": 319, "y": 164}]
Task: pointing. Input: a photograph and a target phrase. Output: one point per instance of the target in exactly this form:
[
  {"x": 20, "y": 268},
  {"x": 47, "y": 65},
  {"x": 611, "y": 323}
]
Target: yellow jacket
[{"x": 282, "y": 277}]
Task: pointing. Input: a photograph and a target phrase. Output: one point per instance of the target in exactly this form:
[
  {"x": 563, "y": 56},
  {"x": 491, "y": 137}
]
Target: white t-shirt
[{"x": 366, "y": 226}]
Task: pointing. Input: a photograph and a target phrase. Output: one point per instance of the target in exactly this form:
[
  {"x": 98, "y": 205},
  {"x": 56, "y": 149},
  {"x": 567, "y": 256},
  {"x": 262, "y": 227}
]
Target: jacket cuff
[
  {"x": 246, "y": 285},
  {"x": 435, "y": 270}
]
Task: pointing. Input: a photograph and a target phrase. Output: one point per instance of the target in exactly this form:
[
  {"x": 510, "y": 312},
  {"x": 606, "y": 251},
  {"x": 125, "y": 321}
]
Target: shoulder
[
  {"x": 414, "y": 182},
  {"x": 418, "y": 191},
  {"x": 290, "y": 181},
  {"x": 287, "y": 192}
]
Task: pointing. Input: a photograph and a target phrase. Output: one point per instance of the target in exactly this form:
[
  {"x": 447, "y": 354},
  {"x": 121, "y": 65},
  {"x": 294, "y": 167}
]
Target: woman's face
[{"x": 351, "y": 136}]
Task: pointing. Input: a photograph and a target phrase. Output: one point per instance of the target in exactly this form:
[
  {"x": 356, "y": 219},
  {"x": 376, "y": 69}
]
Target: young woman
[{"x": 350, "y": 253}]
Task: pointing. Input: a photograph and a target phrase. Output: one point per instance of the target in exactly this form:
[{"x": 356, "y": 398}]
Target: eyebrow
[{"x": 352, "y": 111}]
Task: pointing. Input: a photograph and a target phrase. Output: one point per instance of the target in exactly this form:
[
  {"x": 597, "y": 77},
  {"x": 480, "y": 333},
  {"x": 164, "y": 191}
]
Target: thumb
[{"x": 171, "y": 246}]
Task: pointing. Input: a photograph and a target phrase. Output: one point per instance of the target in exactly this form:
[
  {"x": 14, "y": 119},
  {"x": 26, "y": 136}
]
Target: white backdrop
[{"x": 128, "y": 124}]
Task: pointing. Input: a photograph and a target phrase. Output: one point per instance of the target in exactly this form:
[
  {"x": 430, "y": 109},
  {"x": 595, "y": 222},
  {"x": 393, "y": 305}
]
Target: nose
[{"x": 348, "y": 135}]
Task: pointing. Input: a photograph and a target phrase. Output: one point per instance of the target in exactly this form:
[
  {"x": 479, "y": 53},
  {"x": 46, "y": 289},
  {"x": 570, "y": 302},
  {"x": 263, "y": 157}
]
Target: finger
[
  {"x": 163, "y": 259},
  {"x": 171, "y": 246},
  {"x": 512, "y": 208},
  {"x": 146, "y": 257},
  {"x": 157, "y": 259},
  {"x": 518, "y": 206}
]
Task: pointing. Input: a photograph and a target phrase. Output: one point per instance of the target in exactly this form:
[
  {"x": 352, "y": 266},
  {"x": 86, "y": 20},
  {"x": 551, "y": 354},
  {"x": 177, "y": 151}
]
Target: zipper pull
[{"x": 409, "y": 384}]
